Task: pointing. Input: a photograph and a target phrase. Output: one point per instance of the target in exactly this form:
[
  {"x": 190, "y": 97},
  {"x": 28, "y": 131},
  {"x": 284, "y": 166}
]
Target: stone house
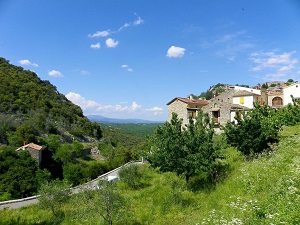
[
  {"x": 185, "y": 108},
  {"x": 222, "y": 109},
  {"x": 34, "y": 150},
  {"x": 225, "y": 106}
]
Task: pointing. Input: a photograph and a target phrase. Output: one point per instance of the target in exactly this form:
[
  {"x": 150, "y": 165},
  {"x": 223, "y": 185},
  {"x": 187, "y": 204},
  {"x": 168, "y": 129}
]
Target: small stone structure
[
  {"x": 185, "y": 108},
  {"x": 34, "y": 150}
]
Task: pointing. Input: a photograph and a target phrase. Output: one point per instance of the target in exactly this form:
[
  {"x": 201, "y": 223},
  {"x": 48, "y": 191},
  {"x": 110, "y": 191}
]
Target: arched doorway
[{"x": 277, "y": 102}]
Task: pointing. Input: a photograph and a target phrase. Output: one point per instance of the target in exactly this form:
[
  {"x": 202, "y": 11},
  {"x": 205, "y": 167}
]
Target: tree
[
  {"x": 52, "y": 196},
  {"x": 106, "y": 201},
  {"x": 25, "y": 133},
  {"x": 132, "y": 176},
  {"x": 254, "y": 131},
  {"x": 186, "y": 151},
  {"x": 17, "y": 173}
]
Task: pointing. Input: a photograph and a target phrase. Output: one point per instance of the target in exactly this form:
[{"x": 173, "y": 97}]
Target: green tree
[
  {"x": 132, "y": 176},
  {"x": 52, "y": 196},
  {"x": 53, "y": 143},
  {"x": 18, "y": 174},
  {"x": 106, "y": 201},
  {"x": 64, "y": 154},
  {"x": 254, "y": 131},
  {"x": 186, "y": 151}
]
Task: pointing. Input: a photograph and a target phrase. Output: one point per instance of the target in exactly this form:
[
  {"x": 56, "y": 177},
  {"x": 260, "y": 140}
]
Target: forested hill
[{"x": 32, "y": 108}]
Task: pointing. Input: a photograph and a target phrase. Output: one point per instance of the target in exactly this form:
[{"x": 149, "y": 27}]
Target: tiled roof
[
  {"x": 31, "y": 145},
  {"x": 190, "y": 101},
  {"x": 244, "y": 93}
]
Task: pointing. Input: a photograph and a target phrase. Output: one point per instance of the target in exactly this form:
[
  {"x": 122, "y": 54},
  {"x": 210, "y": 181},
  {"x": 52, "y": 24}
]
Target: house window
[
  {"x": 216, "y": 115},
  {"x": 242, "y": 100},
  {"x": 238, "y": 114},
  {"x": 192, "y": 114},
  {"x": 216, "y": 105}
]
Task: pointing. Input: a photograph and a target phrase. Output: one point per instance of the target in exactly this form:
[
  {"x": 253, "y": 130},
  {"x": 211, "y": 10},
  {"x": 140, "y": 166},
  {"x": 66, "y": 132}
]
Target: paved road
[{"x": 91, "y": 185}]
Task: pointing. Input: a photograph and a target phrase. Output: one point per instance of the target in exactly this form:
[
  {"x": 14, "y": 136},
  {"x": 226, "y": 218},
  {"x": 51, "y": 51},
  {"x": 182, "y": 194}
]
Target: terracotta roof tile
[
  {"x": 190, "y": 101},
  {"x": 244, "y": 93},
  {"x": 33, "y": 146}
]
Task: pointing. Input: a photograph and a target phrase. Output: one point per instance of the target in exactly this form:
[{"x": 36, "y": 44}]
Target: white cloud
[
  {"x": 95, "y": 46},
  {"x": 99, "y": 34},
  {"x": 124, "y": 26},
  {"x": 88, "y": 105},
  {"x": 156, "y": 110},
  {"x": 175, "y": 52},
  {"x": 111, "y": 43},
  {"x": 26, "y": 62},
  {"x": 271, "y": 60},
  {"x": 135, "y": 106},
  {"x": 127, "y": 68},
  {"x": 275, "y": 66},
  {"x": 106, "y": 33},
  {"x": 55, "y": 73},
  {"x": 81, "y": 101},
  {"x": 138, "y": 21},
  {"x": 121, "y": 110}
]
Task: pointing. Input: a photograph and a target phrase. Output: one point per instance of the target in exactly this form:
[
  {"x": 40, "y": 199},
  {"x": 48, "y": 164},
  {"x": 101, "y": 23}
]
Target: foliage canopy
[{"x": 184, "y": 150}]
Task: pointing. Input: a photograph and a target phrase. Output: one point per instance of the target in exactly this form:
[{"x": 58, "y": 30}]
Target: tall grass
[{"x": 261, "y": 190}]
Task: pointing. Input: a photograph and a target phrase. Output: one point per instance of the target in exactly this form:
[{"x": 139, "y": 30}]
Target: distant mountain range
[{"x": 102, "y": 119}]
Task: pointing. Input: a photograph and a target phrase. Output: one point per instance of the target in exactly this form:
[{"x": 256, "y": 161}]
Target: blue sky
[{"x": 128, "y": 58}]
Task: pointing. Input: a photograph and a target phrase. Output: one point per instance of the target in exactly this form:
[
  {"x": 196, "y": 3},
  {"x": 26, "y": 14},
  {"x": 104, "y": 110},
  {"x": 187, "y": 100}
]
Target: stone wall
[
  {"x": 180, "y": 108},
  {"x": 223, "y": 102}
]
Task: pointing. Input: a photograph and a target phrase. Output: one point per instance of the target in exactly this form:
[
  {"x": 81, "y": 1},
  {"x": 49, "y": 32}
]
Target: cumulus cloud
[
  {"x": 81, "y": 101},
  {"x": 95, "y": 46},
  {"x": 99, "y": 34},
  {"x": 276, "y": 66},
  {"x": 156, "y": 110},
  {"x": 111, "y": 43},
  {"x": 26, "y": 62},
  {"x": 120, "y": 110},
  {"x": 92, "y": 106},
  {"x": 55, "y": 73},
  {"x": 135, "y": 106},
  {"x": 126, "y": 67},
  {"x": 175, "y": 52}
]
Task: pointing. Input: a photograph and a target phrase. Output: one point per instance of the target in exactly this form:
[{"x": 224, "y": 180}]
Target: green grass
[{"x": 263, "y": 190}]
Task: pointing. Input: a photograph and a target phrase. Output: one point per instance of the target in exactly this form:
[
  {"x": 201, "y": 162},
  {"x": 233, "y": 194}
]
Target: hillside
[
  {"x": 31, "y": 104},
  {"x": 264, "y": 190}
]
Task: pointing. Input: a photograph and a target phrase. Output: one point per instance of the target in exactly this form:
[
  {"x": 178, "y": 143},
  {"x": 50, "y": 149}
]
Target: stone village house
[
  {"x": 34, "y": 150},
  {"x": 228, "y": 104}
]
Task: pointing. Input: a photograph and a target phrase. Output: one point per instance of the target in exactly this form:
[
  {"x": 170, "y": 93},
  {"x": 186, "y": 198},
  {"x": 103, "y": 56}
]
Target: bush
[{"x": 132, "y": 176}]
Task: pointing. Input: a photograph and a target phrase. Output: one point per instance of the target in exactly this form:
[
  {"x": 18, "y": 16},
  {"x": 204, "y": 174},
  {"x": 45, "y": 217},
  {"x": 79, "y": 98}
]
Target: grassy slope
[{"x": 262, "y": 191}]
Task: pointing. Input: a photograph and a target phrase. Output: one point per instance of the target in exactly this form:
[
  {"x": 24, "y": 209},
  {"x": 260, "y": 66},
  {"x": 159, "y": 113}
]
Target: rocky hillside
[{"x": 31, "y": 108}]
